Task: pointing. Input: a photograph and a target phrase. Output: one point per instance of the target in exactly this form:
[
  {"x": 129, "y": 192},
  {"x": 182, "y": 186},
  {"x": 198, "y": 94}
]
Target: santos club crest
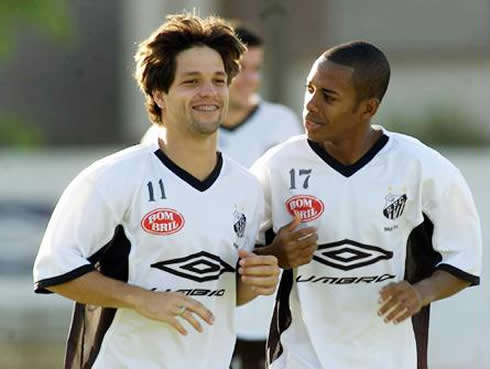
[
  {"x": 394, "y": 206},
  {"x": 239, "y": 223}
]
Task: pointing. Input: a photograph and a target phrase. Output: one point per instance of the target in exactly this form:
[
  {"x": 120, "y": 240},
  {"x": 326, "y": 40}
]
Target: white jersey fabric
[
  {"x": 266, "y": 126},
  {"x": 137, "y": 216},
  {"x": 397, "y": 214}
]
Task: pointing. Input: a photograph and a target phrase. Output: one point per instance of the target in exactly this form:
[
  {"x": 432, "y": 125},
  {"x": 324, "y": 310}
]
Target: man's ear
[
  {"x": 159, "y": 99},
  {"x": 369, "y": 108}
]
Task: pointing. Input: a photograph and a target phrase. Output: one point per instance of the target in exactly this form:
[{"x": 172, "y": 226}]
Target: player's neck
[
  {"x": 237, "y": 114},
  {"x": 195, "y": 156},
  {"x": 349, "y": 151}
]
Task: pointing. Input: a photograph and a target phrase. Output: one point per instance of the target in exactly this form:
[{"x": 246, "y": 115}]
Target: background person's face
[
  {"x": 247, "y": 82},
  {"x": 197, "y": 100}
]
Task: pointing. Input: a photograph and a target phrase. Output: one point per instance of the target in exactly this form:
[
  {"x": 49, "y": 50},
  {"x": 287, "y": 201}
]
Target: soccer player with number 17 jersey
[{"x": 396, "y": 225}]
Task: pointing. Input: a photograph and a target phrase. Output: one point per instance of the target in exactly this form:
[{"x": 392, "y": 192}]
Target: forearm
[
  {"x": 439, "y": 286},
  {"x": 266, "y": 250},
  {"x": 96, "y": 289},
  {"x": 292, "y": 249},
  {"x": 286, "y": 259}
]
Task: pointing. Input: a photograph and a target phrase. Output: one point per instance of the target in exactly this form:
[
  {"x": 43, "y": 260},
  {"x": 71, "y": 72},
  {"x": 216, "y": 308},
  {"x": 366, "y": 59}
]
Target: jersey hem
[
  {"x": 41, "y": 286},
  {"x": 473, "y": 279}
]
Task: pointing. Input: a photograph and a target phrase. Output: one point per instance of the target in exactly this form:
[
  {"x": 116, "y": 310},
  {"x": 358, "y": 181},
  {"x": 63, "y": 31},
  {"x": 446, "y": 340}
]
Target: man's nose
[
  {"x": 310, "y": 103},
  {"x": 208, "y": 89}
]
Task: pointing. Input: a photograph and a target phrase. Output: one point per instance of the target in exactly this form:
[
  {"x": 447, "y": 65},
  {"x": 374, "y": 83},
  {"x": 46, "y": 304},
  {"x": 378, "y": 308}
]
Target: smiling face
[
  {"x": 196, "y": 102},
  {"x": 331, "y": 111}
]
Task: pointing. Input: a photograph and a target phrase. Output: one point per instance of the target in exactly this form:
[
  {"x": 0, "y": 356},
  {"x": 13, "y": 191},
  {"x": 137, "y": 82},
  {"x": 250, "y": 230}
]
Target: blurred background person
[{"x": 251, "y": 126}]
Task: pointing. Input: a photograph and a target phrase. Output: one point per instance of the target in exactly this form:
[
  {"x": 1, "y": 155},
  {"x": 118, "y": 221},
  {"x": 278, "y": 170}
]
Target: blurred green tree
[
  {"x": 16, "y": 132},
  {"x": 50, "y": 16},
  {"x": 47, "y": 16},
  {"x": 440, "y": 124}
]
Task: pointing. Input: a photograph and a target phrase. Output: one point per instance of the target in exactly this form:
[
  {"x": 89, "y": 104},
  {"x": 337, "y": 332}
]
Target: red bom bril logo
[
  {"x": 308, "y": 208},
  {"x": 163, "y": 222}
]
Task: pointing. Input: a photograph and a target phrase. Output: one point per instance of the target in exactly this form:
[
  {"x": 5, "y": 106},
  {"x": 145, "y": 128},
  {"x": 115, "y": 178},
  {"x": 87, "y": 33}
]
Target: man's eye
[
  {"x": 328, "y": 98},
  {"x": 190, "y": 82},
  {"x": 220, "y": 81}
]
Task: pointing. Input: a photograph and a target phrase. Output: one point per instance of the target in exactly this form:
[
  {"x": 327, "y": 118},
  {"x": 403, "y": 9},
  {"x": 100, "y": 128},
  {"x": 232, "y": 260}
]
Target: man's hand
[
  {"x": 168, "y": 307},
  {"x": 294, "y": 247},
  {"x": 258, "y": 275},
  {"x": 399, "y": 301},
  {"x": 94, "y": 288}
]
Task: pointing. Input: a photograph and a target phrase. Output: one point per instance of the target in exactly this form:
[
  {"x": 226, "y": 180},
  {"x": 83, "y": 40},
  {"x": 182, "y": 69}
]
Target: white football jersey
[
  {"x": 266, "y": 126},
  {"x": 137, "y": 216},
  {"x": 397, "y": 214}
]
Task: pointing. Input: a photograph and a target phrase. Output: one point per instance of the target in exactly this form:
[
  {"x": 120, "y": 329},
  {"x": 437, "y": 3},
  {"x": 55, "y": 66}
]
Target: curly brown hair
[{"x": 156, "y": 56}]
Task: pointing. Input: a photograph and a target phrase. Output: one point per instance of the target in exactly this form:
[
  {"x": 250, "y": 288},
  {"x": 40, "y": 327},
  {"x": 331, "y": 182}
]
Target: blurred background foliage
[
  {"x": 439, "y": 124},
  {"x": 15, "y": 131},
  {"x": 49, "y": 16}
]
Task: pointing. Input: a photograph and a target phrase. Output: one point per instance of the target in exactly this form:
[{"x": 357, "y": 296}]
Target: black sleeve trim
[
  {"x": 475, "y": 280},
  {"x": 40, "y": 286}
]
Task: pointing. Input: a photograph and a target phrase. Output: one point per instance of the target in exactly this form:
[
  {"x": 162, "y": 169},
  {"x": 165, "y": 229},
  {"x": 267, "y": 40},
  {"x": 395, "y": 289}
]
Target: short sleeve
[
  {"x": 448, "y": 203},
  {"x": 81, "y": 224}
]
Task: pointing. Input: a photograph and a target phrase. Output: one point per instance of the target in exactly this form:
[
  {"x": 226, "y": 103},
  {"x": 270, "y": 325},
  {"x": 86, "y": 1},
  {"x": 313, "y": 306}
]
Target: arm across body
[
  {"x": 96, "y": 289},
  {"x": 259, "y": 271},
  {"x": 292, "y": 247}
]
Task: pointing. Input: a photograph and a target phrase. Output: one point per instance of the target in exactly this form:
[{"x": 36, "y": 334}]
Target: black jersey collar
[
  {"x": 348, "y": 170},
  {"x": 243, "y": 121},
  {"x": 189, "y": 178}
]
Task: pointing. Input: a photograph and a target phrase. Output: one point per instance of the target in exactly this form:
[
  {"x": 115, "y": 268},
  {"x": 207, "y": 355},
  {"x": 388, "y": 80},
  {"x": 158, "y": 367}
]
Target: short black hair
[
  {"x": 371, "y": 67},
  {"x": 248, "y": 37}
]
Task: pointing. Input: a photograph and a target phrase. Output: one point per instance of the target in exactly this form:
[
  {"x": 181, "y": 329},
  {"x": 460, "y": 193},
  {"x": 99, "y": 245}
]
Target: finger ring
[{"x": 182, "y": 310}]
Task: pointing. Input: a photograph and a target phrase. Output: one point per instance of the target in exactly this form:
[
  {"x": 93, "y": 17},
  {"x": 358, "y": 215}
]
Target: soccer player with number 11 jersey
[{"x": 155, "y": 242}]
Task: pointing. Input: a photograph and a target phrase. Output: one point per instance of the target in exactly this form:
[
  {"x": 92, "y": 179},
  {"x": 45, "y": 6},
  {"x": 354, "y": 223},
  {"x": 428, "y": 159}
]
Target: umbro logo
[
  {"x": 394, "y": 206},
  {"x": 348, "y": 254},
  {"x": 200, "y": 267}
]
